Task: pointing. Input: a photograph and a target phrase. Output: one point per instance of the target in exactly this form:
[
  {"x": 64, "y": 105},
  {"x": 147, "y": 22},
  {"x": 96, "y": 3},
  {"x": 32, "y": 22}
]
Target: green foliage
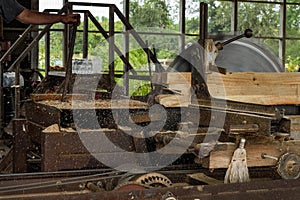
[
  {"x": 293, "y": 64},
  {"x": 139, "y": 88},
  {"x": 219, "y": 17},
  {"x": 149, "y": 13}
]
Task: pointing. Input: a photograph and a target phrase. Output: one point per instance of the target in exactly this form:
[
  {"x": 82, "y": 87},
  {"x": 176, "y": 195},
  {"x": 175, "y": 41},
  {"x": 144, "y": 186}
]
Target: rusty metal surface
[
  {"x": 221, "y": 118},
  {"x": 273, "y": 190}
]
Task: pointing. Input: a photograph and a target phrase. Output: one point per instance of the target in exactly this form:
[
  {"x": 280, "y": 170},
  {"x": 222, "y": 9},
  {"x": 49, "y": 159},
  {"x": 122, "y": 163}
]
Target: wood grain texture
[{"x": 256, "y": 88}]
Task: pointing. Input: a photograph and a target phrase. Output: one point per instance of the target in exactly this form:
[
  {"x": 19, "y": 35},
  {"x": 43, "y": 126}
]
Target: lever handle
[{"x": 247, "y": 33}]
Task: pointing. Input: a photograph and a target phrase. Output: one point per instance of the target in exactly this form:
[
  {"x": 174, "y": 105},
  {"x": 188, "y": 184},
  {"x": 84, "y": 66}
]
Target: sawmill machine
[{"x": 198, "y": 116}]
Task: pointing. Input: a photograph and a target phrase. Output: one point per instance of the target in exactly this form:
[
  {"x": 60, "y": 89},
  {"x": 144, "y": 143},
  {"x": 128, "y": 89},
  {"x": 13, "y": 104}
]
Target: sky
[{"x": 58, "y": 4}]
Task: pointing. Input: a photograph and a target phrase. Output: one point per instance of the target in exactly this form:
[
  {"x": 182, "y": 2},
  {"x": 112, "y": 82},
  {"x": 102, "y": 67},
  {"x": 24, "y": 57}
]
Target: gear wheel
[
  {"x": 154, "y": 180},
  {"x": 288, "y": 166},
  {"x": 130, "y": 185}
]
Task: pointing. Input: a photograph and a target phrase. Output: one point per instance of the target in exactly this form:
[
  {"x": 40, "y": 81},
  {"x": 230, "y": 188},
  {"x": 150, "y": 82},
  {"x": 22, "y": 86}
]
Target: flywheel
[{"x": 288, "y": 166}]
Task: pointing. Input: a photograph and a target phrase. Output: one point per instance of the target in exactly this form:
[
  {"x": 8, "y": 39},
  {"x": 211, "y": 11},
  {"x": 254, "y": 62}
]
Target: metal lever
[
  {"x": 69, "y": 62},
  {"x": 248, "y": 34}
]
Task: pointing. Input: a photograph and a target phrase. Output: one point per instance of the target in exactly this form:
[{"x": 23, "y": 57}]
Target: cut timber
[
  {"x": 256, "y": 88},
  {"x": 97, "y": 104},
  {"x": 167, "y": 78},
  {"x": 171, "y": 100},
  {"x": 69, "y": 97},
  {"x": 179, "y": 83}
]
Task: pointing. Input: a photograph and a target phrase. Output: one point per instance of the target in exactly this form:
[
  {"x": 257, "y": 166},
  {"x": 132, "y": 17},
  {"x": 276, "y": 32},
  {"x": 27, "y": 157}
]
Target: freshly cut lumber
[
  {"x": 256, "y": 88},
  {"x": 167, "y": 78}
]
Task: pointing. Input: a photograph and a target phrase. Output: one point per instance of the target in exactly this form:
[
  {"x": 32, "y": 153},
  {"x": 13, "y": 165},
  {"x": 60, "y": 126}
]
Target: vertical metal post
[
  {"x": 67, "y": 86},
  {"x": 126, "y": 47},
  {"x": 1, "y": 100},
  {"x": 203, "y": 23},
  {"x": 1, "y": 28},
  {"x": 65, "y": 39},
  {"x": 234, "y": 17},
  {"x": 35, "y": 51},
  {"x": 17, "y": 91},
  {"x": 1, "y": 85},
  {"x": 282, "y": 42},
  {"x": 111, "y": 45},
  {"x": 182, "y": 25},
  {"x": 85, "y": 36},
  {"x": 47, "y": 53}
]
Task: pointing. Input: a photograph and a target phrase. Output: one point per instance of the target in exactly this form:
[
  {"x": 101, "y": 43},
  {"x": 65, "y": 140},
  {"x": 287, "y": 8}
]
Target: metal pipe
[
  {"x": 182, "y": 24},
  {"x": 111, "y": 42},
  {"x": 234, "y": 16},
  {"x": 264, "y": 156},
  {"x": 17, "y": 91},
  {"x": 247, "y": 33},
  {"x": 138, "y": 39},
  {"x": 2, "y": 59},
  {"x": 69, "y": 61},
  {"x": 203, "y": 23},
  {"x": 16, "y": 43},
  {"x": 126, "y": 47},
  {"x": 47, "y": 53},
  {"x": 1, "y": 99},
  {"x": 85, "y": 36},
  {"x": 106, "y": 36},
  {"x": 30, "y": 46}
]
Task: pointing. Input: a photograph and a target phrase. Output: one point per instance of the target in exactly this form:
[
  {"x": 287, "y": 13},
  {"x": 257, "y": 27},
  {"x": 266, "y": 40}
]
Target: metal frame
[{"x": 68, "y": 7}]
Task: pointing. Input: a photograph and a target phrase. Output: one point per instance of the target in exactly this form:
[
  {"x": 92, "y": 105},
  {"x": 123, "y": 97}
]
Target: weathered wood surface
[
  {"x": 58, "y": 97},
  {"x": 96, "y": 104},
  {"x": 220, "y": 158}
]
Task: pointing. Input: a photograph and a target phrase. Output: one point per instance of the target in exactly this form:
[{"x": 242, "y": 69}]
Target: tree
[{"x": 149, "y": 13}]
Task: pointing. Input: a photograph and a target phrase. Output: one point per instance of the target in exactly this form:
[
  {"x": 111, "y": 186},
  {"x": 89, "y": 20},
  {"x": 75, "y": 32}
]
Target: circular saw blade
[{"x": 248, "y": 56}]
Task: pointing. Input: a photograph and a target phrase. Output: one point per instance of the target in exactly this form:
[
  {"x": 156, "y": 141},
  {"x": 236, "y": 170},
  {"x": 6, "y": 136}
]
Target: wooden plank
[
  {"x": 69, "y": 97},
  {"x": 256, "y": 88},
  {"x": 172, "y": 78},
  {"x": 256, "y": 78},
  {"x": 171, "y": 100},
  {"x": 183, "y": 89},
  {"x": 97, "y": 104}
]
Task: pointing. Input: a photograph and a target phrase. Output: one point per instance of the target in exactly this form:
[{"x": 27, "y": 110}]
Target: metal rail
[
  {"x": 17, "y": 63},
  {"x": 67, "y": 188}
]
